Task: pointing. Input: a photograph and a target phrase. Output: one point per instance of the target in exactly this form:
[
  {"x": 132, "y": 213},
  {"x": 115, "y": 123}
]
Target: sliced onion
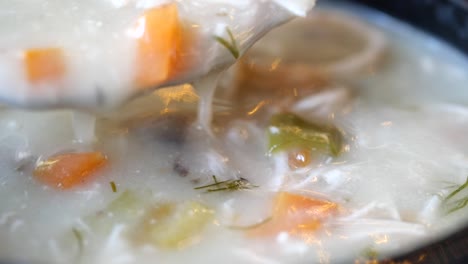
[{"x": 325, "y": 104}]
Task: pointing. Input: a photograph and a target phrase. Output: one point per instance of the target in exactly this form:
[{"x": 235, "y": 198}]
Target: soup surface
[{"x": 349, "y": 146}]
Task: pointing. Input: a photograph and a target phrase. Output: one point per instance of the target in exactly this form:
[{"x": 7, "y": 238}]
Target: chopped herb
[
  {"x": 230, "y": 44},
  {"x": 113, "y": 186},
  {"x": 79, "y": 238},
  {"x": 459, "y": 189},
  {"x": 460, "y": 204},
  {"x": 455, "y": 205},
  {"x": 228, "y": 185}
]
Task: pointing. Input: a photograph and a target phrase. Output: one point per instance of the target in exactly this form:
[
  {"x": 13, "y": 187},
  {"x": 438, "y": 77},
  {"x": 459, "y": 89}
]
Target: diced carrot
[
  {"x": 46, "y": 64},
  {"x": 69, "y": 170},
  {"x": 292, "y": 204},
  {"x": 297, "y": 215},
  {"x": 159, "y": 42}
]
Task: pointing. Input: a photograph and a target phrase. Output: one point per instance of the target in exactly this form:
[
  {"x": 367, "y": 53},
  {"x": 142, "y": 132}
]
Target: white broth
[{"x": 380, "y": 157}]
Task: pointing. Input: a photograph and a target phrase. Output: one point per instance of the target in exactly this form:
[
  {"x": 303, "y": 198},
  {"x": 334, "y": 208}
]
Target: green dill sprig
[
  {"x": 459, "y": 203},
  {"x": 228, "y": 185},
  {"x": 230, "y": 44}
]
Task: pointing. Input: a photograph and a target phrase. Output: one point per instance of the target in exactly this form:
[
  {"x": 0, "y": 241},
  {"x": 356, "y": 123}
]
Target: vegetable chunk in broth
[{"x": 353, "y": 152}]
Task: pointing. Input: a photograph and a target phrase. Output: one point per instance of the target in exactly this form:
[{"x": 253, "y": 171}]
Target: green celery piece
[
  {"x": 170, "y": 226},
  {"x": 124, "y": 210},
  {"x": 288, "y": 131}
]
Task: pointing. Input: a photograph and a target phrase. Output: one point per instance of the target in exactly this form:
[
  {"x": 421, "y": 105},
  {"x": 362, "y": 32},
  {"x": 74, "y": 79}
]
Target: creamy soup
[
  {"x": 90, "y": 54},
  {"x": 338, "y": 137}
]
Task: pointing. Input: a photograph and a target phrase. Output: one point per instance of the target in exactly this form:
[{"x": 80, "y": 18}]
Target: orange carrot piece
[
  {"x": 297, "y": 215},
  {"x": 292, "y": 204},
  {"x": 69, "y": 170},
  {"x": 46, "y": 64},
  {"x": 158, "y": 45}
]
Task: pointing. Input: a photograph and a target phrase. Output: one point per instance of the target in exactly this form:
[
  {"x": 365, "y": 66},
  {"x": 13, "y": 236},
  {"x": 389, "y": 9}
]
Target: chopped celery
[
  {"x": 123, "y": 210},
  {"x": 126, "y": 209},
  {"x": 171, "y": 225},
  {"x": 126, "y": 205},
  {"x": 288, "y": 131},
  {"x": 167, "y": 225}
]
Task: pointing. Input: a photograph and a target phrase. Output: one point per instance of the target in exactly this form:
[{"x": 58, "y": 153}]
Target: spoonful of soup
[{"x": 99, "y": 53}]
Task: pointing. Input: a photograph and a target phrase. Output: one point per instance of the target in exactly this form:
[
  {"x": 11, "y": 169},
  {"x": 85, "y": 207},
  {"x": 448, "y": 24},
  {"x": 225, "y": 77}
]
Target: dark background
[{"x": 447, "y": 19}]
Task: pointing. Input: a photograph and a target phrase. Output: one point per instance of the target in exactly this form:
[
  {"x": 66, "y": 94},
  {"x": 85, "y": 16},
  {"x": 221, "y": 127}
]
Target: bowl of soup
[{"x": 339, "y": 137}]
